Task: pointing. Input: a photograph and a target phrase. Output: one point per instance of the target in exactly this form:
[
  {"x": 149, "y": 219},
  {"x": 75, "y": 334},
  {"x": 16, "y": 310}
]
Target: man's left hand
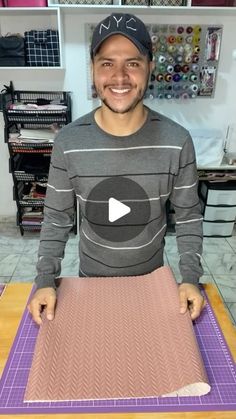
[{"x": 191, "y": 299}]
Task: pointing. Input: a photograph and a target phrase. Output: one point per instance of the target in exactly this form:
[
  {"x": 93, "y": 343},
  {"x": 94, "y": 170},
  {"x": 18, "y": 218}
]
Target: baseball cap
[{"x": 124, "y": 24}]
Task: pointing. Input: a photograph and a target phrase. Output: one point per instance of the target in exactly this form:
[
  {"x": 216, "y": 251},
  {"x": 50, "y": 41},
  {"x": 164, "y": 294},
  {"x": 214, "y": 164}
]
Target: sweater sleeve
[
  {"x": 58, "y": 220},
  {"x": 188, "y": 217}
]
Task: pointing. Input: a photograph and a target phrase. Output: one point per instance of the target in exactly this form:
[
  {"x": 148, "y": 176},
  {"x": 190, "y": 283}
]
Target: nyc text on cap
[{"x": 124, "y": 24}]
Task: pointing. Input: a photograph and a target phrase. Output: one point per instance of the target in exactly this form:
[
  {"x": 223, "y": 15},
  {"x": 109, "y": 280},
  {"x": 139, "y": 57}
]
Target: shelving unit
[
  {"x": 21, "y": 19},
  {"x": 29, "y": 160}
]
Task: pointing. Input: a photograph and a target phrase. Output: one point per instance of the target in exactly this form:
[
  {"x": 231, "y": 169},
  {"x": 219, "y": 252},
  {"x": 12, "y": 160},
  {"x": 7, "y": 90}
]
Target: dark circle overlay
[{"x": 129, "y": 193}]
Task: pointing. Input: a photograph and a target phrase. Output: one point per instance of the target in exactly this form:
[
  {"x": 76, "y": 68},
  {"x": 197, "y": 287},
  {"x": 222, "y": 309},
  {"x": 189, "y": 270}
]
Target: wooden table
[{"x": 12, "y": 304}]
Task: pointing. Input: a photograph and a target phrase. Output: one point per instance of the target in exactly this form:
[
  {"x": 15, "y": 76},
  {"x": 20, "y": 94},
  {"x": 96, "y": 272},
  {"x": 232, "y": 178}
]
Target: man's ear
[{"x": 91, "y": 69}]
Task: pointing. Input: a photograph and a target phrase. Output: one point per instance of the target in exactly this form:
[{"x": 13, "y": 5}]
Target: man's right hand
[{"x": 44, "y": 298}]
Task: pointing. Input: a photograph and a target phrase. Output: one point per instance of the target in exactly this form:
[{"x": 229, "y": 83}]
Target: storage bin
[
  {"x": 212, "y": 213},
  {"x": 219, "y": 193},
  {"x": 214, "y": 3},
  {"x": 26, "y": 3},
  {"x": 218, "y": 228},
  {"x": 42, "y": 48}
]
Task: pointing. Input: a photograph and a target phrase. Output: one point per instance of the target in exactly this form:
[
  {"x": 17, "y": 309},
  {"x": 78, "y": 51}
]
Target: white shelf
[
  {"x": 26, "y": 11},
  {"x": 146, "y": 10}
]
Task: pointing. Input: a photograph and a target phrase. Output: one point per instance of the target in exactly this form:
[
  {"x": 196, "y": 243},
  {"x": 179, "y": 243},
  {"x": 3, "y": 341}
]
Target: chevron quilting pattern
[{"x": 115, "y": 338}]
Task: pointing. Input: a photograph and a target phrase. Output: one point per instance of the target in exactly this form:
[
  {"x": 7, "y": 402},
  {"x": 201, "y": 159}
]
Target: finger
[
  {"x": 196, "y": 306},
  {"x": 50, "y": 309},
  {"x": 183, "y": 302},
  {"x": 35, "y": 310}
]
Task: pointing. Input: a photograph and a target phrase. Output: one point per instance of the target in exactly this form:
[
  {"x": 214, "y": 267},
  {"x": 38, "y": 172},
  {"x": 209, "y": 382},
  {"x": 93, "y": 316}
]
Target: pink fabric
[
  {"x": 27, "y": 3},
  {"x": 114, "y": 338}
]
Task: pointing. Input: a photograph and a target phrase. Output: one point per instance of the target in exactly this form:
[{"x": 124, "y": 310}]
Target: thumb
[
  {"x": 183, "y": 302},
  {"x": 50, "y": 310}
]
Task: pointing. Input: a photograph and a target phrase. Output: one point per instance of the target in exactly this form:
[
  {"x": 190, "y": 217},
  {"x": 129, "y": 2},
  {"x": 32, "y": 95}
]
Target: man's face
[{"x": 120, "y": 74}]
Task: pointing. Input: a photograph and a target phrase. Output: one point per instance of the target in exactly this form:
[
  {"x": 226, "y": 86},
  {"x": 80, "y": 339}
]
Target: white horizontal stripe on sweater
[
  {"x": 79, "y": 150},
  {"x": 186, "y": 186},
  {"x": 124, "y": 248},
  {"x": 189, "y": 253},
  {"x": 56, "y": 257},
  {"x": 189, "y": 221},
  {"x": 59, "y": 225},
  {"x": 123, "y": 200},
  {"x": 59, "y": 190}
]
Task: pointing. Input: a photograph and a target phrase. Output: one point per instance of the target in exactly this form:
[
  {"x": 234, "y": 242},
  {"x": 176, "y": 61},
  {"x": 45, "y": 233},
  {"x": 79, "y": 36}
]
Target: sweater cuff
[{"x": 45, "y": 281}]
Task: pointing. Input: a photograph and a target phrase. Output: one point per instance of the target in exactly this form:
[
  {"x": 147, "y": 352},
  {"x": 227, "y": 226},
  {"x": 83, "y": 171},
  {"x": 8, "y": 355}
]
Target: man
[{"x": 121, "y": 141}]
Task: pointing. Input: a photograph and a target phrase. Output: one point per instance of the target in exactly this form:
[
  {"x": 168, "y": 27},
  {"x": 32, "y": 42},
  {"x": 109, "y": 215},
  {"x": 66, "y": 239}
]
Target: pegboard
[{"x": 186, "y": 61}]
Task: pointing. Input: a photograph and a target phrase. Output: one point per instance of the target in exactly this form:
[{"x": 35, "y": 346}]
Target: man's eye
[
  {"x": 106, "y": 64},
  {"x": 133, "y": 64}
]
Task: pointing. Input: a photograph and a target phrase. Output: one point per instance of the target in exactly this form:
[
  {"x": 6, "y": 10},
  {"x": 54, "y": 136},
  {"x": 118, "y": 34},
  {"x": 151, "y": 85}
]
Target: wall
[{"x": 203, "y": 112}]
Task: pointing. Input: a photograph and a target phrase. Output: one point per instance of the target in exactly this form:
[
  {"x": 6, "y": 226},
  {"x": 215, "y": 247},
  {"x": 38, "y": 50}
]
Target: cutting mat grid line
[{"x": 213, "y": 347}]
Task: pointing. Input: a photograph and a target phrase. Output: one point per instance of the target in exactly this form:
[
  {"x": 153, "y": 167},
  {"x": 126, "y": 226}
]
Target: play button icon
[{"x": 117, "y": 209}]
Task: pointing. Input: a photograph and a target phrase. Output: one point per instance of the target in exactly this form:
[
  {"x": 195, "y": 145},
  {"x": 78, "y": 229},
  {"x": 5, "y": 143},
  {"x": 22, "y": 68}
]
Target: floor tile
[
  {"x": 232, "y": 309},
  {"x": 8, "y": 263},
  {"x": 70, "y": 265},
  {"x": 5, "y": 279},
  {"x": 171, "y": 245},
  {"x": 11, "y": 244},
  {"x": 227, "y": 287},
  {"x": 232, "y": 242},
  {"x": 216, "y": 245},
  {"x": 221, "y": 264},
  {"x": 26, "y": 267},
  {"x": 23, "y": 278},
  {"x": 72, "y": 245},
  {"x": 31, "y": 246}
]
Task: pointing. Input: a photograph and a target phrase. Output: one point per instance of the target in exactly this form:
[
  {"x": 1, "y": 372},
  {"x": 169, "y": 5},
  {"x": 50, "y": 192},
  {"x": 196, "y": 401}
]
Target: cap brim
[{"x": 140, "y": 47}]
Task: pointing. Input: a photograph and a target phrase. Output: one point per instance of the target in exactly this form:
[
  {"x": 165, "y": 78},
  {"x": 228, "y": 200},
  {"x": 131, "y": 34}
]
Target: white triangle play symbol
[{"x": 116, "y": 209}]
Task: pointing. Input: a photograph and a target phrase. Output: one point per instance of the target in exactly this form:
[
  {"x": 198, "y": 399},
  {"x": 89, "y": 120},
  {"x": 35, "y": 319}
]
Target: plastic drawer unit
[{"x": 219, "y": 208}]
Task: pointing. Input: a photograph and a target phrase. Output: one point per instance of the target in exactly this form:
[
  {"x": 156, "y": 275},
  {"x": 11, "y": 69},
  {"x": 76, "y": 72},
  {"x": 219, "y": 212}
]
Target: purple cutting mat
[{"x": 216, "y": 356}]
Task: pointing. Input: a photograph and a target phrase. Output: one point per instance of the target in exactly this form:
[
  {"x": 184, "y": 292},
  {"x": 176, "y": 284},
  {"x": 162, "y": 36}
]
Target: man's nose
[{"x": 120, "y": 72}]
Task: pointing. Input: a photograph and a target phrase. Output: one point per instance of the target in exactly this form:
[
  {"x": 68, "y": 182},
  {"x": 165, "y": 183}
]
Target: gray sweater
[{"x": 159, "y": 157}]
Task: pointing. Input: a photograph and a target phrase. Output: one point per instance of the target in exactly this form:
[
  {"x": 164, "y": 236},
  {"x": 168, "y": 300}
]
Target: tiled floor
[{"x": 18, "y": 256}]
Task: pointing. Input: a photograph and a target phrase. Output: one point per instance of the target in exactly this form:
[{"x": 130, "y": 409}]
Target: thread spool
[
  {"x": 168, "y": 77},
  {"x": 194, "y": 88},
  {"x": 161, "y": 59},
  {"x": 154, "y": 39},
  {"x": 189, "y": 29},
  {"x": 180, "y": 29},
  {"x": 193, "y": 77},
  {"x": 195, "y": 67},
  {"x": 170, "y": 69},
  {"x": 179, "y": 39},
  {"x": 176, "y": 77},
  {"x": 159, "y": 77},
  {"x": 185, "y": 68}
]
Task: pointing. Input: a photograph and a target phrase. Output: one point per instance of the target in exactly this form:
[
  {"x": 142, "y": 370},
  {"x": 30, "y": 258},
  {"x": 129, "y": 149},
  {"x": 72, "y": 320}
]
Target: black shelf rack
[{"x": 29, "y": 160}]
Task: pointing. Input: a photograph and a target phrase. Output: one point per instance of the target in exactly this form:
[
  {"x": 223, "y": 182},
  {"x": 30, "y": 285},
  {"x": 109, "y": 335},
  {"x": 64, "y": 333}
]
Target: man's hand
[
  {"x": 43, "y": 298},
  {"x": 191, "y": 299}
]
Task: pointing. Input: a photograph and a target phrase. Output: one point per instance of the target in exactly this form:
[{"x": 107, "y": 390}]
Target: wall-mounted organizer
[
  {"x": 186, "y": 59},
  {"x": 31, "y": 122},
  {"x": 219, "y": 208}
]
